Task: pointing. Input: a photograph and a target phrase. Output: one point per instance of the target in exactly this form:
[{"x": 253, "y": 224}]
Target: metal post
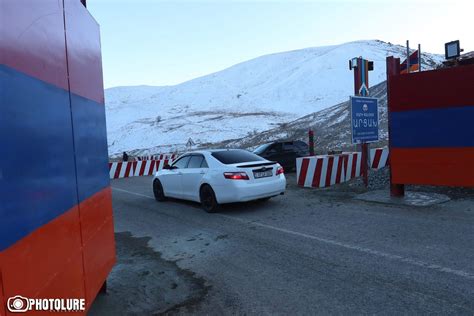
[
  {"x": 361, "y": 74},
  {"x": 408, "y": 57},
  {"x": 419, "y": 57},
  {"x": 311, "y": 142},
  {"x": 365, "y": 147}
]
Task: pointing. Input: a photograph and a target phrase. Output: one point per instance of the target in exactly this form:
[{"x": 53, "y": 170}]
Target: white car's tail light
[
  {"x": 280, "y": 170},
  {"x": 236, "y": 175}
]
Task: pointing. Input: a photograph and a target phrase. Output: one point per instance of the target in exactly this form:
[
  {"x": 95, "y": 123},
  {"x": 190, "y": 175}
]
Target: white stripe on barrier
[
  {"x": 310, "y": 172},
  {"x": 324, "y": 171},
  {"x": 378, "y": 158},
  {"x": 150, "y": 167},
  {"x": 112, "y": 168},
  {"x": 299, "y": 161}
]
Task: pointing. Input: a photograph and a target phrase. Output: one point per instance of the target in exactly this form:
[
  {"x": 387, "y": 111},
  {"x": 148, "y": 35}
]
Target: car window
[
  {"x": 261, "y": 149},
  {"x": 181, "y": 163},
  {"x": 236, "y": 156},
  {"x": 288, "y": 146},
  {"x": 204, "y": 163},
  {"x": 275, "y": 148},
  {"x": 302, "y": 146},
  {"x": 195, "y": 161}
]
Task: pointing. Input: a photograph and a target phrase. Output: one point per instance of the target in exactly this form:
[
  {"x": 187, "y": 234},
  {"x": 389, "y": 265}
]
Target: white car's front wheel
[{"x": 208, "y": 199}]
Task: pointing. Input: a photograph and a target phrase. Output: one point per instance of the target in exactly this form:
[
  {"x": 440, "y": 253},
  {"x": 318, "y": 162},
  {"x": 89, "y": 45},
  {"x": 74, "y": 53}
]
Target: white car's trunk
[{"x": 258, "y": 171}]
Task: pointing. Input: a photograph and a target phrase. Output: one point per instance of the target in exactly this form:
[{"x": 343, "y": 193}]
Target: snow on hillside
[
  {"x": 331, "y": 127},
  {"x": 247, "y": 98}
]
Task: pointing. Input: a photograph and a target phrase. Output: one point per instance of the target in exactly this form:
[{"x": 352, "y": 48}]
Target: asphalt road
[{"x": 307, "y": 252}]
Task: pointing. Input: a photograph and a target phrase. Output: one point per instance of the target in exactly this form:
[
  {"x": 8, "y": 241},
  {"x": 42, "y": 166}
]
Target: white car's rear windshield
[{"x": 229, "y": 157}]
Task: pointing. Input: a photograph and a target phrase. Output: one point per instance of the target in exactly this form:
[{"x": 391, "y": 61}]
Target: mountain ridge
[{"x": 247, "y": 98}]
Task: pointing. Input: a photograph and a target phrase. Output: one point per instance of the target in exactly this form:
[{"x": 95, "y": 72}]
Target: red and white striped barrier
[
  {"x": 156, "y": 157},
  {"x": 378, "y": 158},
  {"x": 120, "y": 169},
  {"x": 320, "y": 171},
  {"x": 144, "y": 168},
  {"x": 137, "y": 168},
  {"x": 326, "y": 170},
  {"x": 149, "y": 167}
]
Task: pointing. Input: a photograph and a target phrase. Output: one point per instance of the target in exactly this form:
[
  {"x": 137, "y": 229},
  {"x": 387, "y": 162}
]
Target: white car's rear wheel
[
  {"x": 208, "y": 199},
  {"x": 158, "y": 191}
]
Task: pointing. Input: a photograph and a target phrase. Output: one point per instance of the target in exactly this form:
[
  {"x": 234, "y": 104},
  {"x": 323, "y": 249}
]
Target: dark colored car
[{"x": 285, "y": 153}]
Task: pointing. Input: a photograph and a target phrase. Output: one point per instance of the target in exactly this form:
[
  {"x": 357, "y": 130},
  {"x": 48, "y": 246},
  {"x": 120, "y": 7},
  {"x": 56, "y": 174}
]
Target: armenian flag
[{"x": 414, "y": 63}]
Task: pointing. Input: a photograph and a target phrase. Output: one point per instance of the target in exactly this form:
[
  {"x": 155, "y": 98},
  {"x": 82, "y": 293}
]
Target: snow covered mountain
[{"x": 243, "y": 100}]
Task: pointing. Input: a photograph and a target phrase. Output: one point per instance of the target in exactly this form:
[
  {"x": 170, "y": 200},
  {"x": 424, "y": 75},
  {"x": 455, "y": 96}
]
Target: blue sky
[{"x": 168, "y": 42}]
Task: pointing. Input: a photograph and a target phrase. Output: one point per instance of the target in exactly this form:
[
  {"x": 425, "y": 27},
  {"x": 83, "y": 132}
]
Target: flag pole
[
  {"x": 408, "y": 57},
  {"x": 419, "y": 57}
]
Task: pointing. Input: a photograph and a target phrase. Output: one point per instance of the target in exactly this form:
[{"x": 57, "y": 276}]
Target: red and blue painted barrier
[
  {"x": 56, "y": 225},
  {"x": 430, "y": 125}
]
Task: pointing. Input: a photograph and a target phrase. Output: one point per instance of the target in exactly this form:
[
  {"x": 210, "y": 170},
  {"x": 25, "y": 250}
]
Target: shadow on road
[{"x": 142, "y": 282}]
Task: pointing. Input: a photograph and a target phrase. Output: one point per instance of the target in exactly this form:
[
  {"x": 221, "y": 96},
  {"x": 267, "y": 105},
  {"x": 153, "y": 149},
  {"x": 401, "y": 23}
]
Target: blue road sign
[{"x": 364, "y": 120}]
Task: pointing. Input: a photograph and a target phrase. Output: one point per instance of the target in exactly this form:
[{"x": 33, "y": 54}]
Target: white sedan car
[{"x": 214, "y": 177}]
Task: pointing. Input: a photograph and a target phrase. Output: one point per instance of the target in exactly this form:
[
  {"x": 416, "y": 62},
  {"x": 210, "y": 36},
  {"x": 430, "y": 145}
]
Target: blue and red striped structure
[
  {"x": 56, "y": 225},
  {"x": 430, "y": 125}
]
